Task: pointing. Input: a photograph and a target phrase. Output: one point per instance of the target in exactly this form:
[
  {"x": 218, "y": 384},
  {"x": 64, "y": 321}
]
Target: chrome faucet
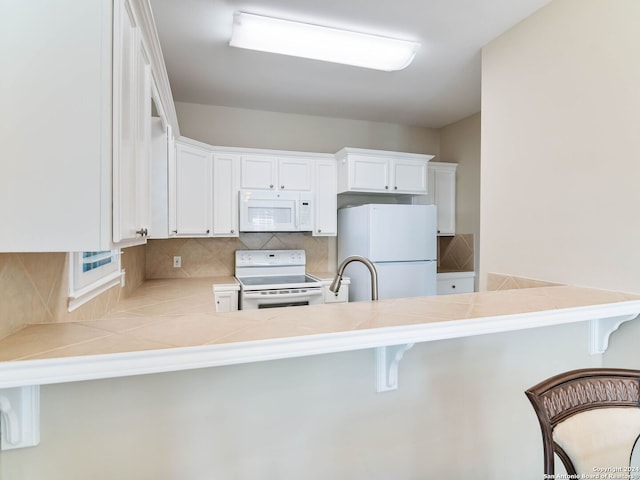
[{"x": 335, "y": 285}]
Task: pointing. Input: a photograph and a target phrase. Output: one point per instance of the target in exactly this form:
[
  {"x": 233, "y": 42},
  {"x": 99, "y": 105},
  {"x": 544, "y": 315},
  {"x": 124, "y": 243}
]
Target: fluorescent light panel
[{"x": 267, "y": 34}]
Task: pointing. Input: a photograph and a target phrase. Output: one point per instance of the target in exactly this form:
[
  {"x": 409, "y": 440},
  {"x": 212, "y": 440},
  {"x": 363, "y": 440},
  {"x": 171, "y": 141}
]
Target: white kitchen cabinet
[
  {"x": 375, "y": 171},
  {"x": 259, "y": 172},
  {"x": 267, "y": 172},
  {"x": 341, "y": 297},
  {"x": 409, "y": 176},
  {"x": 330, "y": 297},
  {"x": 72, "y": 151},
  {"x": 159, "y": 176},
  {"x": 193, "y": 175},
  {"x": 326, "y": 199},
  {"x": 204, "y": 200},
  {"x": 295, "y": 174},
  {"x": 204, "y": 182},
  {"x": 226, "y": 183},
  {"x": 442, "y": 193},
  {"x": 131, "y": 129},
  {"x": 226, "y": 297},
  {"x": 454, "y": 282}
]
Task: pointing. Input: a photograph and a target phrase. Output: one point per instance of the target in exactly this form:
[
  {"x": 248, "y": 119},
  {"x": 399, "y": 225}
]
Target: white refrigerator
[{"x": 400, "y": 240}]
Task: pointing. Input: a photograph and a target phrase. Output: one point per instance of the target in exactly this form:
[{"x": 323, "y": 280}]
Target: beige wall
[
  {"x": 560, "y": 143},
  {"x": 236, "y": 127}
]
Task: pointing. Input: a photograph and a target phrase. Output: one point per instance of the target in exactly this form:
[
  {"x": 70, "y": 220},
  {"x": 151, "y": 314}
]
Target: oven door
[{"x": 258, "y": 299}]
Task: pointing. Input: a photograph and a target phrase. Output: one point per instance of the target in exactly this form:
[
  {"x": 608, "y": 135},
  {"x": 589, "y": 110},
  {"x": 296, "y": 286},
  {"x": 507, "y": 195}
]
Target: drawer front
[{"x": 455, "y": 285}]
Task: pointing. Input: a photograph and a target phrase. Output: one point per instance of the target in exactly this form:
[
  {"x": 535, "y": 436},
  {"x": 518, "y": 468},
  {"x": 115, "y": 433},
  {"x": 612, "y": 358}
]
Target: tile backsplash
[
  {"x": 455, "y": 254},
  {"x": 498, "y": 281},
  {"x": 34, "y": 289},
  {"x": 205, "y": 257}
]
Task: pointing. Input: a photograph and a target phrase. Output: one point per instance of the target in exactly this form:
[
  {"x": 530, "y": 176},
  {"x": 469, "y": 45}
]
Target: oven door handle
[{"x": 307, "y": 293}]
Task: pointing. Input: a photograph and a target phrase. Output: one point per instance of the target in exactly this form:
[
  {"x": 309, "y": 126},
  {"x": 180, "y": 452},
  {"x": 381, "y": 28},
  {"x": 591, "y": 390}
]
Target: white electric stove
[{"x": 275, "y": 278}]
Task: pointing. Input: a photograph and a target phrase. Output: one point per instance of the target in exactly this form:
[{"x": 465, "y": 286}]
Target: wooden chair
[{"x": 590, "y": 418}]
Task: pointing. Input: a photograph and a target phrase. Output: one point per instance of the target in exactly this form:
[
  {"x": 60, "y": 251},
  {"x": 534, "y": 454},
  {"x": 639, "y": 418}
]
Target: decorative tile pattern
[
  {"x": 455, "y": 254},
  {"x": 208, "y": 257},
  {"x": 34, "y": 289},
  {"x": 498, "y": 281}
]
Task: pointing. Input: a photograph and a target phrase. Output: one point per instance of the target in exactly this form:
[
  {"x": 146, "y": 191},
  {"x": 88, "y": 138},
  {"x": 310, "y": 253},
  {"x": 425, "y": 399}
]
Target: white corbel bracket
[
  {"x": 601, "y": 329},
  {"x": 387, "y": 363},
  {"x": 19, "y": 417}
]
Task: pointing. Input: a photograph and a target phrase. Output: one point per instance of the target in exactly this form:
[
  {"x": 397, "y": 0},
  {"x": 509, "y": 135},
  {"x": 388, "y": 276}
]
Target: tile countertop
[{"x": 169, "y": 325}]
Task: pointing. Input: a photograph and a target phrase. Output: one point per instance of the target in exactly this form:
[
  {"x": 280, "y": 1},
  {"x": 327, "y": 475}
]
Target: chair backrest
[{"x": 590, "y": 418}]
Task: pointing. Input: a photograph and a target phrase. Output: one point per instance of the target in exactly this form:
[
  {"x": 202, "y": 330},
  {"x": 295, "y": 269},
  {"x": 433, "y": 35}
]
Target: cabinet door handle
[
  {"x": 281, "y": 187},
  {"x": 142, "y": 232},
  {"x": 395, "y": 188},
  {"x": 453, "y": 286},
  {"x": 174, "y": 231},
  {"x": 386, "y": 187},
  {"x": 233, "y": 231},
  {"x": 208, "y": 231},
  {"x": 271, "y": 186}
]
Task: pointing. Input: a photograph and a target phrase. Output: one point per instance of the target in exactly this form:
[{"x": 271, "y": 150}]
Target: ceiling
[{"x": 441, "y": 86}]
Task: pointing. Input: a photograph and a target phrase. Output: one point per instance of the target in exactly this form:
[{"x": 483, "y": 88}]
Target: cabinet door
[
  {"x": 125, "y": 131},
  {"x": 326, "y": 199},
  {"x": 294, "y": 174},
  {"x": 409, "y": 176},
  {"x": 368, "y": 174},
  {"x": 193, "y": 191},
  {"x": 56, "y": 110},
  {"x": 226, "y": 301},
  {"x": 259, "y": 171},
  {"x": 445, "y": 199},
  {"x": 132, "y": 126},
  {"x": 159, "y": 224},
  {"x": 226, "y": 183}
]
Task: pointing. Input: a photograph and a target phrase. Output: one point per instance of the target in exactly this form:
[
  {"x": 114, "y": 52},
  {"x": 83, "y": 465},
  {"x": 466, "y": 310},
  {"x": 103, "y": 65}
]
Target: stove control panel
[{"x": 265, "y": 258}]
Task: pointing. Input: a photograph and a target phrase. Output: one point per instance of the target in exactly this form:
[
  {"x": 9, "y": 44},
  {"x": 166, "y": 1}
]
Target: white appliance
[
  {"x": 276, "y": 211},
  {"x": 275, "y": 278},
  {"x": 400, "y": 240}
]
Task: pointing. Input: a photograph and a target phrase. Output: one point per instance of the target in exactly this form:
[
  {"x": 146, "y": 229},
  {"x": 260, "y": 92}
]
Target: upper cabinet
[
  {"x": 131, "y": 128},
  {"x": 76, "y": 151},
  {"x": 192, "y": 192},
  {"x": 226, "y": 184},
  {"x": 326, "y": 198},
  {"x": 267, "y": 172},
  {"x": 375, "y": 171},
  {"x": 203, "y": 189},
  {"x": 442, "y": 193},
  {"x": 204, "y": 181}
]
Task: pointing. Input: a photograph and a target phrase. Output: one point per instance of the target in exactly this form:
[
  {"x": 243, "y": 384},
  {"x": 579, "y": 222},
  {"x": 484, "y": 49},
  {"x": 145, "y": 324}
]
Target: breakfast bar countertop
[{"x": 169, "y": 325}]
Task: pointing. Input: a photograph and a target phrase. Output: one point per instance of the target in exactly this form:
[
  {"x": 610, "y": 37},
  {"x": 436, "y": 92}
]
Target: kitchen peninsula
[{"x": 171, "y": 325}]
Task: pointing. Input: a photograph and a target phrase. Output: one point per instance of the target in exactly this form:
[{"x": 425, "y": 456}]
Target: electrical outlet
[{"x": 177, "y": 262}]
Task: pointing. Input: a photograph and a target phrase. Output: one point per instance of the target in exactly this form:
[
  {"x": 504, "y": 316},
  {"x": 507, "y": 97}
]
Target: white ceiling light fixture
[{"x": 267, "y": 34}]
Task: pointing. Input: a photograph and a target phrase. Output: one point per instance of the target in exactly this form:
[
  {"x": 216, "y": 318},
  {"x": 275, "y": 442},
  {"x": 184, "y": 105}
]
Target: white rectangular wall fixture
[{"x": 19, "y": 417}]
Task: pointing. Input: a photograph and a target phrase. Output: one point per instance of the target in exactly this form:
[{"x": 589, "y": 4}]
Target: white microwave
[{"x": 276, "y": 211}]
